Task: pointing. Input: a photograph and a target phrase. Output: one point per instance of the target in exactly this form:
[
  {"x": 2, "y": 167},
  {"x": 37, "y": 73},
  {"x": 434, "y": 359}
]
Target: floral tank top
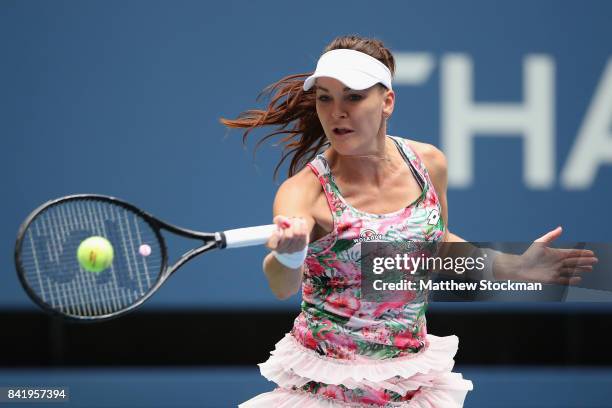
[{"x": 335, "y": 321}]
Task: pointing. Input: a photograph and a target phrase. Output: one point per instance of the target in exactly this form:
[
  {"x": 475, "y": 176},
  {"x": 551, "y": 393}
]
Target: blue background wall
[{"x": 124, "y": 98}]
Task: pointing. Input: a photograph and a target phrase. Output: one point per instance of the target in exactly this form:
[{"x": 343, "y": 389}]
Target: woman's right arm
[{"x": 294, "y": 219}]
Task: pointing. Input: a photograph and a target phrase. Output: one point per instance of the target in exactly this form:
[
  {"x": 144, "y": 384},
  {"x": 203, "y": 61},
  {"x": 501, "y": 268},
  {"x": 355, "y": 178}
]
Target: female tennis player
[{"x": 349, "y": 180}]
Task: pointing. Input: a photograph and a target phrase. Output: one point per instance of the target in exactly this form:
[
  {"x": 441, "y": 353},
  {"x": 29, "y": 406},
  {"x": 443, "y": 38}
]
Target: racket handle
[{"x": 251, "y": 236}]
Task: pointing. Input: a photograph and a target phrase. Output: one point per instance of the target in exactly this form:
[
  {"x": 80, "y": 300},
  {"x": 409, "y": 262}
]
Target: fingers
[
  {"x": 291, "y": 235},
  {"x": 296, "y": 235},
  {"x": 273, "y": 240},
  {"x": 551, "y": 236},
  {"x": 579, "y": 262},
  {"x": 281, "y": 221},
  {"x": 571, "y": 272},
  {"x": 568, "y": 265},
  {"x": 571, "y": 268},
  {"x": 576, "y": 253}
]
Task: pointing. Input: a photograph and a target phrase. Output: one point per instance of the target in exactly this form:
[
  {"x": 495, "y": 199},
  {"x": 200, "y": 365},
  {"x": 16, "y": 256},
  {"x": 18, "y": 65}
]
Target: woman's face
[{"x": 352, "y": 120}]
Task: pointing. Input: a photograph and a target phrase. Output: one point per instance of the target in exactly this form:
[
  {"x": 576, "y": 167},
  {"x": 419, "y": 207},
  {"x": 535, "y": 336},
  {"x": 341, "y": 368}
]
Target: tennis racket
[{"x": 47, "y": 265}]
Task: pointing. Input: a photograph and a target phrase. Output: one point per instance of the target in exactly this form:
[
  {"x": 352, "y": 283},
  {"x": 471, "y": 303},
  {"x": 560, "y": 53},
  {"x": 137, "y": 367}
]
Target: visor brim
[{"x": 355, "y": 80}]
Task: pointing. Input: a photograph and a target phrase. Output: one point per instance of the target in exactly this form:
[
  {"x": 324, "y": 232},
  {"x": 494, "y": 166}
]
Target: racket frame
[{"x": 210, "y": 241}]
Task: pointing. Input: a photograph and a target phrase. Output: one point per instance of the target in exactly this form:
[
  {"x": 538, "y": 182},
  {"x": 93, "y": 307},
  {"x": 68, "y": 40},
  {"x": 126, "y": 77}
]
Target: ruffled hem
[
  {"x": 288, "y": 379},
  {"x": 292, "y": 364},
  {"x": 428, "y": 372},
  {"x": 437, "y": 396}
]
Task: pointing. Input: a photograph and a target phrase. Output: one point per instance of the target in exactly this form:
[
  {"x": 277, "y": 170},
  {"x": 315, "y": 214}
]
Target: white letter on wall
[
  {"x": 593, "y": 145},
  {"x": 412, "y": 68},
  {"x": 534, "y": 119}
]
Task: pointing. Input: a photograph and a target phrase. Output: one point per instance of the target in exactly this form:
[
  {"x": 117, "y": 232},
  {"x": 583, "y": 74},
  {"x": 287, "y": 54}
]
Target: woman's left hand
[{"x": 541, "y": 263}]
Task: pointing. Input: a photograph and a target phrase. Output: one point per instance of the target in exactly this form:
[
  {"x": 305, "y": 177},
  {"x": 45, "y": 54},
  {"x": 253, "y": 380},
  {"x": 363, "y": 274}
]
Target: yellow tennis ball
[{"x": 95, "y": 254}]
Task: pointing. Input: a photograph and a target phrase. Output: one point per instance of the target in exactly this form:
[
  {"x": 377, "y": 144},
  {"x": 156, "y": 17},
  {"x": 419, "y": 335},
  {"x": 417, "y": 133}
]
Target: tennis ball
[{"x": 95, "y": 254}]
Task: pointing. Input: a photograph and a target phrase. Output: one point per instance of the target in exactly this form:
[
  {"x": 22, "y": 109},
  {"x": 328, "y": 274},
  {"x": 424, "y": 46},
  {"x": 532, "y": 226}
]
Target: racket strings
[{"x": 52, "y": 271}]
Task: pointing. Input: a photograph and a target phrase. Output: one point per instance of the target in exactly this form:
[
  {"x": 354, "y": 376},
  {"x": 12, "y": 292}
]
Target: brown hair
[{"x": 294, "y": 110}]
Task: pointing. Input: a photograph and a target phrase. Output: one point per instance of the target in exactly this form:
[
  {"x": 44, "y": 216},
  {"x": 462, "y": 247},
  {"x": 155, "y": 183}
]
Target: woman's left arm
[{"x": 539, "y": 263}]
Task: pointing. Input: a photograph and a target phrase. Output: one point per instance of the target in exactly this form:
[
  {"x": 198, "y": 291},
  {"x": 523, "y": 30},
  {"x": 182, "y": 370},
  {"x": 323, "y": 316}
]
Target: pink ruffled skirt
[{"x": 426, "y": 376}]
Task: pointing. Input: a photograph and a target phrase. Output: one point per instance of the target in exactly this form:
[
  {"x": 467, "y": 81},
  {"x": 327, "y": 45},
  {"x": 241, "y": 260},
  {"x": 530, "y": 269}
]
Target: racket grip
[{"x": 251, "y": 236}]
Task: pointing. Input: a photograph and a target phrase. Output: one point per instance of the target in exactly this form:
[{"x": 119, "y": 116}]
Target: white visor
[{"x": 354, "y": 69}]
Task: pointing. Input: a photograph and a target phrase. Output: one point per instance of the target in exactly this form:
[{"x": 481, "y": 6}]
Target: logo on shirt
[
  {"x": 368, "y": 235},
  {"x": 434, "y": 216}
]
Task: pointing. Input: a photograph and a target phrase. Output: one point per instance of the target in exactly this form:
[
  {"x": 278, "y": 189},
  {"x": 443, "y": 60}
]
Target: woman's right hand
[
  {"x": 290, "y": 236},
  {"x": 284, "y": 266}
]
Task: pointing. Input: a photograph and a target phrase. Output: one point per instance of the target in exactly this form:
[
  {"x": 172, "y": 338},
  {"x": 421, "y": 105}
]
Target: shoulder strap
[
  {"x": 417, "y": 163},
  {"x": 320, "y": 168},
  {"x": 412, "y": 158}
]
